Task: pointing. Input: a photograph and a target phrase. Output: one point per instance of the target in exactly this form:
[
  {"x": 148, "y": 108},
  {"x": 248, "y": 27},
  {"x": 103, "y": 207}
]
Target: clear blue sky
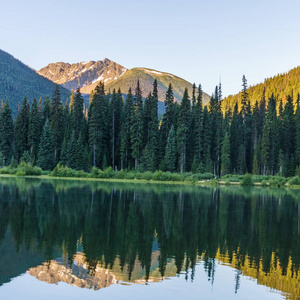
[{"x": 199, "y": 41}]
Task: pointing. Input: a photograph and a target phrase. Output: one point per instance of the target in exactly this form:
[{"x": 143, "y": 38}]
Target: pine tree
[
  {"x": 45, "y": 154},
  {"x": 265, "y": 149},
  {"x": 77, "y": 116},
  {"x": 56, "y": 122},
  {"x": 126, "y": 146},
  {"x": 6, "y": 133},
  {"x": 225, "y": 158},
  {"x": 97, "y": 125},
  {"x": 21, "y": 129},
  {"x": 136, "y": 129},
  {"x": 182, "y": 131},
  {"x": 171, "y": 151},
  {"x": 34, "y": 131},
  {"x": 297, "y": 134}
]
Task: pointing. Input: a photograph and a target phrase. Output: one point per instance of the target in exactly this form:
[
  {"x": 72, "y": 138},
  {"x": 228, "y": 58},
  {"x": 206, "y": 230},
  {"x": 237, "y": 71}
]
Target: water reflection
[{"x": 96, "y": 234}]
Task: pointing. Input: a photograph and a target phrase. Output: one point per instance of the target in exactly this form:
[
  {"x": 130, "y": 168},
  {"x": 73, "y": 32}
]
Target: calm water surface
[{"x": 66, "y": 239}]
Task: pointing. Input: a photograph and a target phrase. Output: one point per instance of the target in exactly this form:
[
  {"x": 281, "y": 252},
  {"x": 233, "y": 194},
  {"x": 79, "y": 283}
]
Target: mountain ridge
[
  {"x": 86, "y": 75},
  {"x": 19, "y": 80}
]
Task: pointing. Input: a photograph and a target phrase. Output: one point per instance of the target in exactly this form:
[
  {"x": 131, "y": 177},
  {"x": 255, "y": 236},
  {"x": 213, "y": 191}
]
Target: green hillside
[
  {"x": 280, "y": 86},
  {"x": 146, "y": 78},
  {"x": 18, "y": 80}
]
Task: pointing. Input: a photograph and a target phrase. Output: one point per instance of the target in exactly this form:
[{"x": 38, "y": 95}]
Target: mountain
[
  {"x": 87, "y": 75},
  {"x": 18, "y": 80},
  {"x": 146, "y": 78},
  {"x": 280, "y": 86},
  {"x": 84, "y": 75}
]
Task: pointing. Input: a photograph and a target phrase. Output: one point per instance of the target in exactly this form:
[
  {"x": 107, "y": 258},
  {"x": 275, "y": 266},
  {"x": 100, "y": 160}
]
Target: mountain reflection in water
[{"x": 92, "y": 235}]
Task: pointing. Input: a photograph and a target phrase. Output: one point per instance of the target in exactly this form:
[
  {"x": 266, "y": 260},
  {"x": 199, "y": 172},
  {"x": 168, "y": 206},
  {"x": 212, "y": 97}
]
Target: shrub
[
  {"x": 227, "y": 182},
  {"x": 274, "y": 182},
  {"x": 62, "y": 171},
  {"x": 264, "y": 183},
  {"x": 294, "y": 181},
  {"x": 94, "y": 172},
  {"x": 130, "y": 175},
  {"x": 247, "y": 180},
  {"x": 20, "y": 173},
  {"x": 120, "y": 175},
  {"x": 158, "y": 175}
]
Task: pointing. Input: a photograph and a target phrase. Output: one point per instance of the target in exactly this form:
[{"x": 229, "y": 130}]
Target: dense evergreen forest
[{"x": 263, "y": 138}]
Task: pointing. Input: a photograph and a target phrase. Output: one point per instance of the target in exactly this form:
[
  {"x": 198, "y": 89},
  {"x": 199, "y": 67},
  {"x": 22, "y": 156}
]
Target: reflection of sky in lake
[{"x": 28, "y": 287}]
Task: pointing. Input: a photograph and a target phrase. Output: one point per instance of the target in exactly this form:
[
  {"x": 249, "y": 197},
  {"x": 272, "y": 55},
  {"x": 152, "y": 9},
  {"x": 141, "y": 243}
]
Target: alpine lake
[{"x": 74, "y": 239}]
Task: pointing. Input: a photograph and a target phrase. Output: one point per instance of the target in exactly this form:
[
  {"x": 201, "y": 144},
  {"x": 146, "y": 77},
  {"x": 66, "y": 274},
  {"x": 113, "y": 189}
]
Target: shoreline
[{"x": 212, "y": 183}]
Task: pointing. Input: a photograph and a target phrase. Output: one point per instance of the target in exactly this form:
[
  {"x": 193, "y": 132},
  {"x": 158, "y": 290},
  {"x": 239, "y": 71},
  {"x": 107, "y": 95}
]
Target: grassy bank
[{"x": 60, "y": 171}]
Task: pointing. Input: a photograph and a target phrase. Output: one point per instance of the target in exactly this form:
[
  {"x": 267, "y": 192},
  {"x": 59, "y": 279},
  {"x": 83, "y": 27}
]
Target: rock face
[
  {"x": 78, "y": 275},
  {"x": 84, "y": 75}
]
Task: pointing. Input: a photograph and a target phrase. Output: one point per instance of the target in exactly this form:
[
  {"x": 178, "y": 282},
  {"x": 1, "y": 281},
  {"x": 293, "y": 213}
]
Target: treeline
[{"x": 189, "y": 137}]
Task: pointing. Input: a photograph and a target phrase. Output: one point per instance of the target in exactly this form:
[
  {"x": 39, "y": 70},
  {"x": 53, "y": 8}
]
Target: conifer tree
[
  {"x": 126, "y": 146},
  {"x": 56, "y": 122},
  {"x": 225, "y": 158},
  {"x": 21, "y": 129},
  {"x": 198, "y": 133},
  {"x": 136, "y": 130},
  {"x": 182, "y": 131},
  {"x": 34, "y": 131},
  {"x": 171, "y": 151},
  {"x": 6, "y": 134},
  {"x": 297, "y": 133},
  {"x": 97, "y": 125},
  {"x": 45, "y": 154},
  {"x": 77, "y": 116}
]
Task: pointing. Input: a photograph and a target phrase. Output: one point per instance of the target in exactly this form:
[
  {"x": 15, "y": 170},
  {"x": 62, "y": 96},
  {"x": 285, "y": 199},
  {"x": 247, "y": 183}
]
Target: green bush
[
  {"x": 94, "y": 172},
  {"x": 294, "y": 181},
  {"x": 247, "y": 180},
  {"x": 227, "y": 182},
  {"x": 120, "y": 175},
  {"x": 130, "y": 175},
  {"x": 274, "y": 182},
  {"x": 158, "y": 175},
  {"x": 264, "y": 183},
  {"x": 20, "y": 173},
  {"x": 62, "y": 171}
]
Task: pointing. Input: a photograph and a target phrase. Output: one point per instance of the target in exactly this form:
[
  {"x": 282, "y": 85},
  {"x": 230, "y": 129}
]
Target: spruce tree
[
  {"x": 136, "y": 130},
  {"x": 182, "y": 130},
  {"x": 34, "y": 131},
  {"x": 56, "y": 122},
  {"x": 21, "y": 129},
  {"x": 126, "y": 146},
  {"x": 45, "y": 154},
  {"x": 6, "y": 133},
  {"x": 171, "y": 151},
  {"x": 225, "y": 158}
]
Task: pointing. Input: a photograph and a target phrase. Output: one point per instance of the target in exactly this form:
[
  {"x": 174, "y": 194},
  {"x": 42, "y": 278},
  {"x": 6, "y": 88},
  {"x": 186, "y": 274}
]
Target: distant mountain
[
  {"x": 146, "y": 78},
  {"x": 84, "y": 75},
  {"x": 280, "y": 86},
  {"x": 18, "y": 80}
]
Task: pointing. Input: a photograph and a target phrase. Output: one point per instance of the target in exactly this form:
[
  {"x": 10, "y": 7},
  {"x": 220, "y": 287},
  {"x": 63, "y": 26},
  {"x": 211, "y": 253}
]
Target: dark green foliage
[
  {"x": 18, "y": 80},
  {"x": 136, "y": 130},
  {"x": 225, "y": 168},
  {"x": 56, "y": 122},
  {"x": 171, "y": 151},
  {"x": 6, "y": 134},
  {"x": 247, "y": 180},
  {"x": 21, "y": 129},
  {"x": 182, "y": 130},
  {"x": 45, "y": 154},
  {"x": 34, "y": 132}
]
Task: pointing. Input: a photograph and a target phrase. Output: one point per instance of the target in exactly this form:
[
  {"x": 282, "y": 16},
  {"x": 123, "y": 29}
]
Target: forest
[{"x": 128, "y": 134}]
